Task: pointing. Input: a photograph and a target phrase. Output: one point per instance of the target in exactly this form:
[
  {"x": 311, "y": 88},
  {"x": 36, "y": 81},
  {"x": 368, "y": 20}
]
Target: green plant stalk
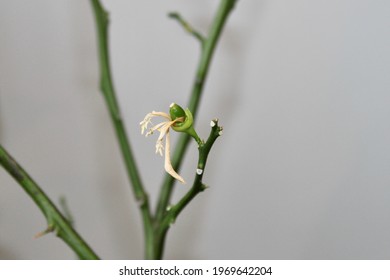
[
  {"x": 107, "y": 88},
  {"x": 186, "y": 26},
  {"x": 155, "y": 228},
  {"x": 55, "y": 220},
  {"x": 208, "y": 46},
  {"x": 173, "y": 212}
]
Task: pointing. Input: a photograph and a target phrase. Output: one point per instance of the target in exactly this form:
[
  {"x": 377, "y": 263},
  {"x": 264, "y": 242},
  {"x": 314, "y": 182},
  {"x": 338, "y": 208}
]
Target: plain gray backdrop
[{"x": 302, "y": 89}]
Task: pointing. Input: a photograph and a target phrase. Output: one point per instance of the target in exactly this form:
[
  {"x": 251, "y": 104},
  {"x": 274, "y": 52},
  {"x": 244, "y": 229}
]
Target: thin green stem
[
  {"x": 186, "y": 26},
  {"x": 107, "y": 88},
  {"x": 173, "y": 212},
  {"x": 55, "y": 220},
  {"x": 207, "y": 52}
]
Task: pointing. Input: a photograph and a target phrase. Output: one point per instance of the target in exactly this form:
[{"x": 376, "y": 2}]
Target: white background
[
  {"x": 301, "y": 88},
  {"x": 196, "y": 269}
]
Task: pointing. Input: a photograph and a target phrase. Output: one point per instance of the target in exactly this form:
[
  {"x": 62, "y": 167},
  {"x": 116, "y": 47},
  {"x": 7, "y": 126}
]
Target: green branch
[
  {"x": 208, "y": 47},
  {"x": 107, "y": 88},
  {"x": 155, "y": 227},
  {"x": 55, "y": 220},
  {"x": 173, "y": 212},
  {"x": 187, "y": 27}
]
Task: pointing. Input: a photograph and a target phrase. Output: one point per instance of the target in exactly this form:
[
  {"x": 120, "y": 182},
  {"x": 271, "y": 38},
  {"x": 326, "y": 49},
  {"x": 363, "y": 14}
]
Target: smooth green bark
[{"x": 107, "y": 88}]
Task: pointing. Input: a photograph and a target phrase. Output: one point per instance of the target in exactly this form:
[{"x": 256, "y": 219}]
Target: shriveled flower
[{"x": 177, "y": 119}]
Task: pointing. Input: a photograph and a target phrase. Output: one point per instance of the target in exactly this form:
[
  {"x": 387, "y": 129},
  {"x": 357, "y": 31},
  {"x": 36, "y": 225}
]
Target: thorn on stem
[
  {"x": 49, "y": 229},
  {"x": 141, "y": 201}
]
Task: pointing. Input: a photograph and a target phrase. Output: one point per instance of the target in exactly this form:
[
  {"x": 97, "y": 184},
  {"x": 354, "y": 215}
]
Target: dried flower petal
[
  {"x": 168, "y": 165},
  {"x": 163, "y": 128}
]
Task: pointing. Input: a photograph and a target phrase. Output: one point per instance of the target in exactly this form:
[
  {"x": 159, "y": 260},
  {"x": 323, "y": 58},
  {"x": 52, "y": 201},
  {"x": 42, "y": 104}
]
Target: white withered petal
[{"x": 163, "y": 128}]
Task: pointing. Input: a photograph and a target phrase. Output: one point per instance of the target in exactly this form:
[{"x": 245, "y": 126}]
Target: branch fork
[{"x": 155, "y": 224}]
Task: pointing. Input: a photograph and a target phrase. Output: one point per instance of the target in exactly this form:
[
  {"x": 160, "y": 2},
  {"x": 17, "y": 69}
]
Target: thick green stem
[
  {"x": 55, "y": 220},
  {"x": 107, "y": 88},
  {"x": 207, "y": 51}
]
